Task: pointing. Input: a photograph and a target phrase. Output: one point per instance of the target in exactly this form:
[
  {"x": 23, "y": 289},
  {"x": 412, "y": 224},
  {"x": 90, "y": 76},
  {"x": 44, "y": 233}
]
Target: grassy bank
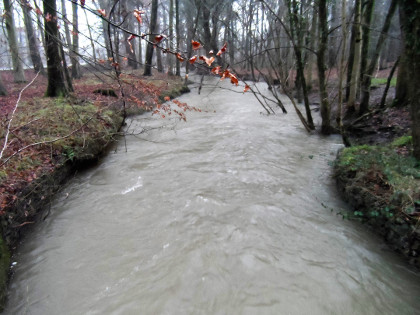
[
  {"x": 48, "y": 139},
  {"x": 382, "y": 183}
]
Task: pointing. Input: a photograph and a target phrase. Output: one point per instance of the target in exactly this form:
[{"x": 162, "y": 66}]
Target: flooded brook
[{"x": 227, "y": 213}]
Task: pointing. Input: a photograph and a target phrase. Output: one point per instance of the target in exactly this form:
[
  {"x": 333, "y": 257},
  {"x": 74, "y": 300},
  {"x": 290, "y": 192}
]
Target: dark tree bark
[
  {"x": 19, "y": 75},
  {"x": 32, "y": 42},
  {"x": 170, "y": 57},
  {"x": 411, "y": 28},
  {"x": 388, "y": 83},
  {"x": 130, "y": 51},
  {"x": 354, "y": 79},
  {"x": 75, "y": 65},
  {"x": 107, "y": 35},
  {"x": 323, "y": 44},
  {"x": 178, "y": 38},
  {"x": 351, "y": 55},
  {"x": 3, "y": 91},
  {"x": 366, "y": 24},
  {"x": 56, "y": 85},
  {"x": 367, "y": 78},
  {"x": 299, "y": 65},
  {"x": 149, "y": 49}
]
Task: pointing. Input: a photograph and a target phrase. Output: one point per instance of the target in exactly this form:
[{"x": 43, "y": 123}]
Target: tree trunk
[
  {"x": 32, "y": 41},
  {"x": 3, "y": 91},
  {"x": 159, "y": 63},
  {"x": 18, "y": 74},
  {"x": 66, "y": 23},
  {"x": 56, "y": 85},
  {"x": 75, "y": 65},
  {"x": 178, "y": 37},
  {"x": 90, "y": 37},
  {"x": 367, "y": 78},
  {"x": 140, "y": 53},
  {"x": 299, "y": 63},
  {"x": 356, "y": 61},
  {"x": 367, "y": 19},
  {"x": 170, "y": 57},
  {"x": 39, "y": 22},
  {"x": 149, "y": 49},
  {"x": 323, "y": 42},
  {"x": 312, "y": 45},
  {"x": 342, "y": 67},
  {"x": 333, "y": 45},
  {"x": 107, "y": 35},
  {"x": 65, "y": 69},
  {"x": 130, "y": 51},
  {"x": 411, "y": 28}
]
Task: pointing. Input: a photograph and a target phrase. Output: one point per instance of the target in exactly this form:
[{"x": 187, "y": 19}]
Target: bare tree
[
  {"x": 32, "y": 41},
  {"x": 19, "y": 75},
  {"x": 56, "y": 85},
  {"x": 153, "y": 30}
]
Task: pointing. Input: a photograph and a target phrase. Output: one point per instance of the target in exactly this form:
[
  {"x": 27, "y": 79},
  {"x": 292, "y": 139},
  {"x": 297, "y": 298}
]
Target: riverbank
[
  {"x": 379, "y": 177},
  {"x": 50, "y": 139}
]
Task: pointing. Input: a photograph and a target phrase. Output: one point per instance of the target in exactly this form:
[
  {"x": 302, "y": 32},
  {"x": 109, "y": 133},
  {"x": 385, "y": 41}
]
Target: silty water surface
[{"x": 228, "y": 213}]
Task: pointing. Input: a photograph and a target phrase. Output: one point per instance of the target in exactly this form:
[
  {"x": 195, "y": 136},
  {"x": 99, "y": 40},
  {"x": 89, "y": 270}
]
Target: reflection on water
[{"x": 228, "y": 213}]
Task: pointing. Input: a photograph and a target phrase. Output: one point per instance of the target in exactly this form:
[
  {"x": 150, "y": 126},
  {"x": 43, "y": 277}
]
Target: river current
[{"x": 231, "y": 212}]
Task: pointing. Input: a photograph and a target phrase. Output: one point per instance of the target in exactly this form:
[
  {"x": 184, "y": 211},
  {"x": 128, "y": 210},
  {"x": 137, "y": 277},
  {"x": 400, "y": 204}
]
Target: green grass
[
  {"x": 376, "y": 82},
  {"x": 384, "y": 170}
]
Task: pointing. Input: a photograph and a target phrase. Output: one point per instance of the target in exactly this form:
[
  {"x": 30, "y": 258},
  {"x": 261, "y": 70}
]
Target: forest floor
[
  {"x": 49, "y": 138},
  {"x": 378, "y": 176}
]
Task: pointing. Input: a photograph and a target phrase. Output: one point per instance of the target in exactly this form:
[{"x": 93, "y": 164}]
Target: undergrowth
[{"x": 387, "y": 177}]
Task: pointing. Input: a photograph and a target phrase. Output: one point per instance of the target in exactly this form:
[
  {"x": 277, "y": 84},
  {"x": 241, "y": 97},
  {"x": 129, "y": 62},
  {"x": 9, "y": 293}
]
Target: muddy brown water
[{"x": 228, "y": 213}]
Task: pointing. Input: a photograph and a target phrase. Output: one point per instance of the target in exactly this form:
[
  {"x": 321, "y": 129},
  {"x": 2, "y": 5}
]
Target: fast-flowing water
[{"x": 227, "y": 213}]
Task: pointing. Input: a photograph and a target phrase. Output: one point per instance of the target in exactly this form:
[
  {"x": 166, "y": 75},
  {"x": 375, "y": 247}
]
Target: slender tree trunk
[
  {"x": 92, "y": 43},
  {"x": 3, "y": 91},
  {"x": 192, "y": 30},
  {"x": 366, "y": 25},
  {"x": 66, "y": 23},
  {"x": 149, "y": 49},
  {"x": 56, "y": 85},
  {"x": 367, "y": 79},
  {"x": 75, "y": 65},
  {"x": 351, "y": 54},
  {"x": 18, "y": 74},
  {"x": 65, "y": 68},
  {"x": 140, "y": 54},
  {"x": 299, "y": 65},
  {"x": 39, "y": 22},
  {"x": 32, "y": 41},
  {"x": 107, "y": 36},
  {"x": 170, "y": 57},
  {"x": 356, "y": 62},
  {"x": 342, "y": 65},
  {"x": 159, "y": 63},
  {"x": 323, "y": 44},
  {"x": 312, "y": 45},
  {"x": 130, "y": 51},
  {"x": 178, "y": 37},
  {"x": 333, "y": 42},
  {"x": 388, "y": 83}
]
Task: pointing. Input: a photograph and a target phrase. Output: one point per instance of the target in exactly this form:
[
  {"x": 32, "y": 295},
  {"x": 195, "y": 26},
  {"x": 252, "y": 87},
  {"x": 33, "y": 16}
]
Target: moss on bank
[{"x": 382, "y": 183}]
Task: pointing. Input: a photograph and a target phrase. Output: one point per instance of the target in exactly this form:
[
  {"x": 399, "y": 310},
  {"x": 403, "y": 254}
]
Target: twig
[
  {"x": 24, "y": 223},
  {"x": 13, "y": 114}
]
